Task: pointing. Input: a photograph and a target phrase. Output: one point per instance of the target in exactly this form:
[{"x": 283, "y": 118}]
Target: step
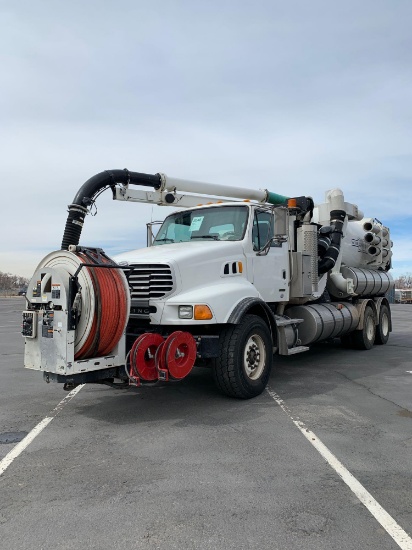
[
  {"x": 297, "y": 349},
  {"x": 281, "y": 322}
]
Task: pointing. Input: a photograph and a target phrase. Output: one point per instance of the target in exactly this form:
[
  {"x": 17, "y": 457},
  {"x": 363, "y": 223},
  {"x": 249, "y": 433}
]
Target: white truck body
[{"x": 241, "y": 275}]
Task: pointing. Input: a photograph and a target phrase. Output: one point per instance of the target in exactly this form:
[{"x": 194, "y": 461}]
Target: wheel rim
[
  {"x": 370, "y": 329},
  {"x": 254, "y": 357},
  {"x": 385, "y": 324}
]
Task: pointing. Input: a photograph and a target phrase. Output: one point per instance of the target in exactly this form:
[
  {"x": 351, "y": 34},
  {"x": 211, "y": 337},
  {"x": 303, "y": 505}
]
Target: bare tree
[
  {"x": 404, "y": 281},
  {"x": 11, "y": 284}
]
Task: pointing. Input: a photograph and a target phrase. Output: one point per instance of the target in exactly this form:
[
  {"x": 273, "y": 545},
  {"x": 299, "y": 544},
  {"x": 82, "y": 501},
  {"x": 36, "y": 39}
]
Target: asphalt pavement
[{"x": 179, "y": 466}]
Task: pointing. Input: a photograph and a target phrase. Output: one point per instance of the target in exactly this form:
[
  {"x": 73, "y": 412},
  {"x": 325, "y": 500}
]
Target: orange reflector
[
  {"x": 292, "y": 203},
  {"x": 240, "y": 267},
  {"x": 202, "y": 313},
  {"x": 246, "y": 200}
]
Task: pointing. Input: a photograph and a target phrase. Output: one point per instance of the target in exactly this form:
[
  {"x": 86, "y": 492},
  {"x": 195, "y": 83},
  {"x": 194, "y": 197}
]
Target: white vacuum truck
[{"x": 232, "y": 278}]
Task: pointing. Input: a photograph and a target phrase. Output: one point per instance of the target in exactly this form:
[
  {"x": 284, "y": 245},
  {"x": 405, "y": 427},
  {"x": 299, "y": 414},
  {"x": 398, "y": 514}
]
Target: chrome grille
[{"x": 150, "y": 281}]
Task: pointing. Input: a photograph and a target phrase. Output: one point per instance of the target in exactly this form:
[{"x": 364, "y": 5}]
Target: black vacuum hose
[
  {"x": 337, "y": 219},
  {"x": 86, "y": 193}
]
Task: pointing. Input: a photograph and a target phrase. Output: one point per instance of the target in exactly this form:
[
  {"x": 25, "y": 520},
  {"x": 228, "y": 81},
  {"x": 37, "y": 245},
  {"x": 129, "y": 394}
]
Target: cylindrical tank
[
  {"x": 365, "y": 242},
  {"x": 362, "y": 244},
  {"x": 367, "y": 282},
  {"x": 323, "y": 321}
]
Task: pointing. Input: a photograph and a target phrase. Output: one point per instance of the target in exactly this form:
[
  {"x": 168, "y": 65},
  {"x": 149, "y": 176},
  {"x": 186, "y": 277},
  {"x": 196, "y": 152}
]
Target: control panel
[
  {"x": 47, "y": 324},
  {"x": 29, "y": 324}
]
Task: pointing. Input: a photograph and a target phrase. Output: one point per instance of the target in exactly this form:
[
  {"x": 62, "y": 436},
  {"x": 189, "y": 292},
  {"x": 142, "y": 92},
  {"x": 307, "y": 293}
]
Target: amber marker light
[
  {"x": 292, "y": 203},
  {"x": 240, "y": 265},
  {"x": 202, "y": 313}
]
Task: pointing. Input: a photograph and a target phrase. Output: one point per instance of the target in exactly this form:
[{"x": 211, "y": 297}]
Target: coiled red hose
[{"x": 110, "y": 311}]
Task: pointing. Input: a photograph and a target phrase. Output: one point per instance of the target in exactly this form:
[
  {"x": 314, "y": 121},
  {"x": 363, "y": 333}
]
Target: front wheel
[
  {"x": 243, "y": 367},
  {"x": 383, "y": 327}
]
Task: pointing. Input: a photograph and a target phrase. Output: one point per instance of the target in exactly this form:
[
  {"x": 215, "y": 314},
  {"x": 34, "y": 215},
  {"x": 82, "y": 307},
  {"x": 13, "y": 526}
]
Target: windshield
[{"x": 223, "y": 223}]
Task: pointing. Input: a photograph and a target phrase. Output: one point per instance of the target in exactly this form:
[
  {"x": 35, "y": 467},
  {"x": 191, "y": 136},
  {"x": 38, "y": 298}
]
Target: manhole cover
[{"x": 12, "y": 437}]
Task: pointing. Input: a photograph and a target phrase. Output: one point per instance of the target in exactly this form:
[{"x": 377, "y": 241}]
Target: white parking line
[
  {"x": 401, "y": 537},
  {"x": 24, "y": 443}
]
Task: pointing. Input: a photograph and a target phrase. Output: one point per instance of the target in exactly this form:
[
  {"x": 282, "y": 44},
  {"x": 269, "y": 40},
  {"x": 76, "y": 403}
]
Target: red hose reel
[
  {"x": 111, "y": 308},
  {"x": 154, "y": 358}
]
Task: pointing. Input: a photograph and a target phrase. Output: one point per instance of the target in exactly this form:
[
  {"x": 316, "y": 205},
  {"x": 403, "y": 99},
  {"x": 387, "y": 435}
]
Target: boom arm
[
  {"x": 166, "y": 191},
  {"x": 187, "y": 194}
]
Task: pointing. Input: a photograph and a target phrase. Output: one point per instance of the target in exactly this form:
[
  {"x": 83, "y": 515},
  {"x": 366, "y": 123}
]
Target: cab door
[{"x": 268, "y": 264}]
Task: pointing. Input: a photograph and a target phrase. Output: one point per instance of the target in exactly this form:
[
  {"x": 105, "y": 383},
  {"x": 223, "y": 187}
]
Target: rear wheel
[
  {"x": 365, "y": 338},
  {"x": 384, "y": 324},
  {"x": 243, "y": 367}
]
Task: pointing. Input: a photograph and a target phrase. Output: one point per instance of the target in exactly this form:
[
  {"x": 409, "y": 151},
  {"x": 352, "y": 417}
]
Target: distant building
[{"x": 403, "y": 296}]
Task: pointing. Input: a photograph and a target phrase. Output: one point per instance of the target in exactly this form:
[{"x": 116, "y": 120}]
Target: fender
[
  {"x": 361, "y": 306},
  {"x": 245, "y": 305}
]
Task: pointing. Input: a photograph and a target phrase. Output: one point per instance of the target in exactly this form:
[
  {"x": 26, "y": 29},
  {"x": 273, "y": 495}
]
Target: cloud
[{"x": 298, "y": 98}]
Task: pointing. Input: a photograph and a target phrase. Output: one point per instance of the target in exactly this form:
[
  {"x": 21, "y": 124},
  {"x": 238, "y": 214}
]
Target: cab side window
[{"x": 262, "y": 230}]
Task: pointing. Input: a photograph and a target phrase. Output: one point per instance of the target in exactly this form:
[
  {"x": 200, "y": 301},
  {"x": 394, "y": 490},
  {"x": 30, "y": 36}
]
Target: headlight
[{"x": 185, "y": 312}]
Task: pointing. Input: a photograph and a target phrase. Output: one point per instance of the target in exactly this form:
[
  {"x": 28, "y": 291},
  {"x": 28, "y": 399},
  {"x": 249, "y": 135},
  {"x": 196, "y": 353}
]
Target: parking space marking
[
  {"x": 401, "y": 537},
  {"x": 24, "y": 443}
]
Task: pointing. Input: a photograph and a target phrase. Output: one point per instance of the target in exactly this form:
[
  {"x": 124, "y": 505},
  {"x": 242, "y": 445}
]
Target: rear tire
[
  {"x": 365, "y": 338},
  {"x": 383, "y": 327},
  {"x": 243, "y": 367}
]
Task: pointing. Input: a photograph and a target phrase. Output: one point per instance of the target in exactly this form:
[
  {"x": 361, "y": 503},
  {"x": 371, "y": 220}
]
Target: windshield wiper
[
  {"x": 214, "y": 237},
  {"x": 163, "y": 241}
]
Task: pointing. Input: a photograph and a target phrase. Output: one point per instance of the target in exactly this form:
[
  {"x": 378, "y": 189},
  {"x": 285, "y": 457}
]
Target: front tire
[
  {"x": 243, "y": 367},
  {"x": 365, "y": 338},
  {"x": 384, "y": 324}
]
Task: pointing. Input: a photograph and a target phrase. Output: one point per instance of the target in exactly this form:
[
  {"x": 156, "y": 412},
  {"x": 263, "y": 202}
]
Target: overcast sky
[{"x": 296, "y": 97}]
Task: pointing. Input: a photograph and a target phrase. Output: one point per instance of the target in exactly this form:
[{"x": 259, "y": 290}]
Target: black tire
[
  {"x": 365, "y": 338},
  {"x": 240, "y": 370},
  {"x": 383, "y": 327}
]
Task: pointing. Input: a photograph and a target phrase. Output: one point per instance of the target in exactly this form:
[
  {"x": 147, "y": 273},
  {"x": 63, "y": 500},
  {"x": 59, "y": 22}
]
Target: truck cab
[{"x": 215, "y": 255}]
